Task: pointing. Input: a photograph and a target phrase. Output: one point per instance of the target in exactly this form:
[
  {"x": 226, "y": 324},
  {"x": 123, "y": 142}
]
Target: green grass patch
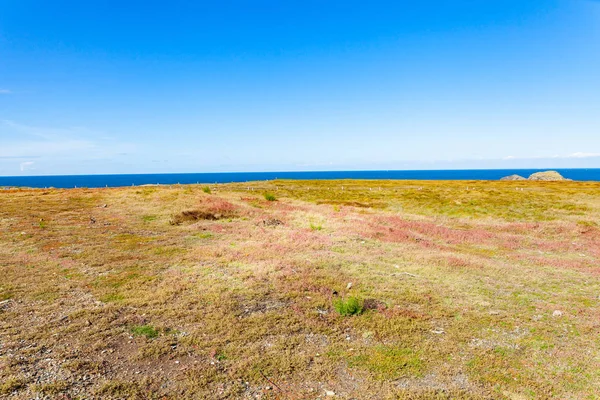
[
  {"x": 148, "y": 331},
  {"x": 389, "y": 362},
  {"x": 350, "y": 306},
  {"x": 270, "y": 197},
  {"x": 112, "y": 298},
  {"x": 149, "y": 218},
  {"x": 315, "y": 227},
  {"x": 203, "y": 235}
]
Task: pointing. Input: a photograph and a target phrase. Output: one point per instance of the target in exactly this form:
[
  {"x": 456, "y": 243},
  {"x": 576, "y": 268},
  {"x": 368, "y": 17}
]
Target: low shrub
[
  {"x": 213, "y": 209},
  {"x": 348, "y": 307},
  {"x": 206, "y": 189},
  {"x": 270, "y": 197}
]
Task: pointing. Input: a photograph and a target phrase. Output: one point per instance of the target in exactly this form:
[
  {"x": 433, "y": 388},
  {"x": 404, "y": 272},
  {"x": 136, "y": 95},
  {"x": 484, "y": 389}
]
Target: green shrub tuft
[
  {"x": 145, "y": 330},
  {"x": 348, "y": 307}
]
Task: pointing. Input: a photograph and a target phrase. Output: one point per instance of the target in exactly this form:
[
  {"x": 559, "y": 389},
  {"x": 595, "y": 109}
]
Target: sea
[{"x": 96, "y": 181}]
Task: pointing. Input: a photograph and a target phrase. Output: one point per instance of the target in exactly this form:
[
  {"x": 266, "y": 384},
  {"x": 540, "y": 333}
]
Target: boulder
[
  {"x": 513, "y": 178},
  {"x": 547, "y": 176}
]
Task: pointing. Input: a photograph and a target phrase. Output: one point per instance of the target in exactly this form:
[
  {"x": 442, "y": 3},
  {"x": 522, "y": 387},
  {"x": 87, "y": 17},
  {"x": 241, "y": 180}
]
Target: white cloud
[
  {"x": 583, "y": 155},
  {"x": 572, "y": 155},
  {"x": 5, "y": 91},
  {"x": 27, "y": 166}
]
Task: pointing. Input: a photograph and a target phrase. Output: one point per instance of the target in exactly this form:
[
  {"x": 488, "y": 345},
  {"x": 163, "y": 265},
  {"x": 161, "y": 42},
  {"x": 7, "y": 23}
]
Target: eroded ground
[{"x": 470, "y": 290}]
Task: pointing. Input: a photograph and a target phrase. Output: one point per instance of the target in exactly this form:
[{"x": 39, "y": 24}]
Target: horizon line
[{"x": 301, "y": 171}]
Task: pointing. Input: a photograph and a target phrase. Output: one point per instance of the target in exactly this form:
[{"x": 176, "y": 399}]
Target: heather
[{"x": 302, "y": 290}]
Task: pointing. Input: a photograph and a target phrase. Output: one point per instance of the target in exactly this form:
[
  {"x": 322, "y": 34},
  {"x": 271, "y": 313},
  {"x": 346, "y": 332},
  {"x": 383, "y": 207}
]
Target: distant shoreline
[{"x": 97, "y": 181}]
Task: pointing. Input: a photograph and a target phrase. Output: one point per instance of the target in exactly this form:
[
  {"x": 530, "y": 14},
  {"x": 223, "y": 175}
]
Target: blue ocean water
[{"x": 92, "y": 181}]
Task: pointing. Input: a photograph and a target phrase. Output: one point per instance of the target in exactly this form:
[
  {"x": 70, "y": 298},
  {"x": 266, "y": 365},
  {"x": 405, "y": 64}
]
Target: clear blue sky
[{"x": 192, "y": 86}]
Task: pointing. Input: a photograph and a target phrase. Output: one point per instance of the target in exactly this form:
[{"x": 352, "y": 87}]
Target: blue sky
[{"x": 183, "y": 86}]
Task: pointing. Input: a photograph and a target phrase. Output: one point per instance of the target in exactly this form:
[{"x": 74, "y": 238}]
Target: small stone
[
  {"x": 557, "y": 313},
  {"x": 349, "y": 286},
  {"x": 329, "y": 393}
]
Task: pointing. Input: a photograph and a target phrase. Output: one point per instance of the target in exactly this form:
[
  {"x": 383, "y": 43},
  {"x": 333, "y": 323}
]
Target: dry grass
[{"x": 182, "y": 292}]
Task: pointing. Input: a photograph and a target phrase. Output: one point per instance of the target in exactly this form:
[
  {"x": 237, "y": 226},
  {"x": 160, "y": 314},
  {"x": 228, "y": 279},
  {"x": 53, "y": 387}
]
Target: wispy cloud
[
  {"x": 71, "y": 143},
  {"x": 17, "y": 157},
  {"x": 27, "y": 166},
  {"x": 44, "y": 132},
  {"x": 583, "y": 155},
  {"x": 5, "y": 91},
  {"x": 555, "y": 156}
]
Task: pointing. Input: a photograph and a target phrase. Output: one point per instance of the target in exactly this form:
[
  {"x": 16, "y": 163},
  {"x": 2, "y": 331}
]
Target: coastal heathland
[{"x": 302, "y": 290}]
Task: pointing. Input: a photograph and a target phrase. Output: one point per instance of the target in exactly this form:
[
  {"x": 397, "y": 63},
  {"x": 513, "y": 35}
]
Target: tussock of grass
[
  {"x": 11, "y": 385},
  {"x": 270, "y": 197},
  {"x": 315, "y": 227},
  {"x": 53, "y": 389},
  {"x": 350, "y": 306}
]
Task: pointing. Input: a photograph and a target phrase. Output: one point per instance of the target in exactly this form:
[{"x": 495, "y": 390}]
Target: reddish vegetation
[{"x": 211, "y": 209}]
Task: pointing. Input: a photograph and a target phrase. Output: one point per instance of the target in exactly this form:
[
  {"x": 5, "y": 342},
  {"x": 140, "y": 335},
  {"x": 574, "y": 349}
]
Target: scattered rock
[
  {"x": 547, "y": 176},
  {"x": 513, "y": 178},
  {"x": 5, "y": 304},
  {"x": 329, "y": 393},
  {"x": 437, "y": 331},
  {"x": 557, "y": 313},
  {"x": 349, "y": 286}
]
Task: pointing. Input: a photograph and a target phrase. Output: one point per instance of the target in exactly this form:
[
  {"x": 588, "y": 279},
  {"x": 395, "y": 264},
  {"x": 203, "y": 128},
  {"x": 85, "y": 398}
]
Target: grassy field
[{"x": 302, "y": 290}]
